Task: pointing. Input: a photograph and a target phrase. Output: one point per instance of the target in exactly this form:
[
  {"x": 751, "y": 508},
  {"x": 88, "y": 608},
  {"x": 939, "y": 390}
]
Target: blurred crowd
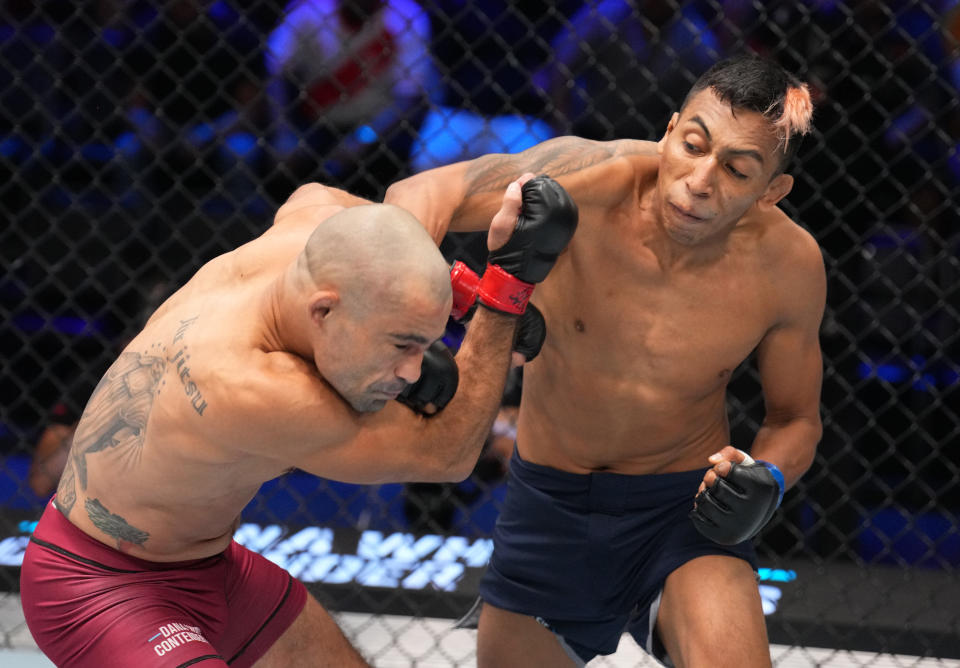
[{"x": 247, "y": 98}]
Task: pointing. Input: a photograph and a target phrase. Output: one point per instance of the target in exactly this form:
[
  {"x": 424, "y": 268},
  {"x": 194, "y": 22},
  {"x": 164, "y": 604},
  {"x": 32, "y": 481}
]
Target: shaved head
[
  {"x": 372, "y": 291},
  {"x": 373, "y": 253}
]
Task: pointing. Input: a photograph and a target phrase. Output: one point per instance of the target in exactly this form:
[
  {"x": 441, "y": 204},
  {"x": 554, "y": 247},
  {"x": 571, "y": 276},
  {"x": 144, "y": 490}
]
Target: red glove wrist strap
[
  {"x": 464, "y": 282},
  {"x": 504, "y": 292}
]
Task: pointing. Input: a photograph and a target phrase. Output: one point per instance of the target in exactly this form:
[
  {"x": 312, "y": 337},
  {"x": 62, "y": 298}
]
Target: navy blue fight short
[{"x": 587, "y": 554}]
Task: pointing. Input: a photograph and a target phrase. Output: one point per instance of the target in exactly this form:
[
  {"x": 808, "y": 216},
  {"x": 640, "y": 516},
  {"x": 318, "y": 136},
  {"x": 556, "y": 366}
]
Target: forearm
[
  {"x": 790, "y": 445},
  {"x": 456, "y": 436}
]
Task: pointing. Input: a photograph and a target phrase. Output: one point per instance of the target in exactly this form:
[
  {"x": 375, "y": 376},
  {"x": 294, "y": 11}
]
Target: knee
[{"x": 711, "y": 615}]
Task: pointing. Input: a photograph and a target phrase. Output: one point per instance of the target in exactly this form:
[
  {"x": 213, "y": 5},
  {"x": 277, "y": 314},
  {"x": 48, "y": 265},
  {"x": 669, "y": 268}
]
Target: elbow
[
  {"x": 437, "y": 474},
  {"x": 807, "y": 461},
  {"x": 439, "y": 465},
  {"x": 459, "y": 473},
  {"x": 454, "y": 466},
  {"x": 414, "y": 195},
  {"x": 816, "y": 432},
  {"x": 407, "y": 193},
  {"x": 815, "y": 426},
  {"x": 411, "y": 193},
  {"x": 451, "y": 471}
]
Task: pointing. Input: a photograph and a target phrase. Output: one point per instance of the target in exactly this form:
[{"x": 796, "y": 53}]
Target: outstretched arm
[
  {"x": 305, "y": 424},
  {"x": 463, "y": 197}
]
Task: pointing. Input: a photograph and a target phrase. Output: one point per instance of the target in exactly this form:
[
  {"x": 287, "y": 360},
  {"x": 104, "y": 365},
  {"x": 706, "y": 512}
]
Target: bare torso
[
  {"x": 633, "y": 375},
  {"x": 147, "y": 473}
]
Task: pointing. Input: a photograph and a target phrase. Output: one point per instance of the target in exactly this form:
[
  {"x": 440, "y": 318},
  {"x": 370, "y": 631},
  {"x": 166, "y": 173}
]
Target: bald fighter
[
  {"x": 286, "y": 352},
  {"x": 628, "y": 509}
]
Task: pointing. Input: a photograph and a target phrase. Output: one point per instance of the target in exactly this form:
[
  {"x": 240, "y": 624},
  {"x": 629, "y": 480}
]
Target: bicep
[
  {"x": 791, "y": 372},
  {"x": 382, "y": 448},
  {"x": 292, "y": 417},
  {"x": 789, "y": 357}
]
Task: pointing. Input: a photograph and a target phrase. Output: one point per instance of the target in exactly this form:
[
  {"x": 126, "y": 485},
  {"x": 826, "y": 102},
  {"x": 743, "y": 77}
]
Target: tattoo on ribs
[
  {"x": 180, "y": 360},
  {"x": 115, "y": 420},
  {"x": 114, "y": 526}
]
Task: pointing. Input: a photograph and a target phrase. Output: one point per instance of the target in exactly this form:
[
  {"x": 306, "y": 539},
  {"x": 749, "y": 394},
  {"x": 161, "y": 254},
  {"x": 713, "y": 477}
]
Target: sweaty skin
[
  {"x": 232, "y": 383},
  {"x": 673, "y": 277}
]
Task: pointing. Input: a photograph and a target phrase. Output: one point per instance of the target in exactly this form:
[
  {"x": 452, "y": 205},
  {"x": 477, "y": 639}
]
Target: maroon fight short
[{"x": 90, "y": 606}]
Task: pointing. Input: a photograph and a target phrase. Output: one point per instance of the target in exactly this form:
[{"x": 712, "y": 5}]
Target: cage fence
[{"x": 139, "y": 140}]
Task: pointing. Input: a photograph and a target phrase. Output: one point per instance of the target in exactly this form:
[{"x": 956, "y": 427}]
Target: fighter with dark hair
[{"x": 627, "y": 506}]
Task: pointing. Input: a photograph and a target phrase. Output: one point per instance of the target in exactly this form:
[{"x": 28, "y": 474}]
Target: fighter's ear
[
  {"x": 321, "y": 304},
  {"x": 778, "y": 188},
  {"x": 670, "y": 126}
]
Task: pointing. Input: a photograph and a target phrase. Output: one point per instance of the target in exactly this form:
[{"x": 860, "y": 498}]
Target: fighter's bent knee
[{"x": 713, "y": 602}]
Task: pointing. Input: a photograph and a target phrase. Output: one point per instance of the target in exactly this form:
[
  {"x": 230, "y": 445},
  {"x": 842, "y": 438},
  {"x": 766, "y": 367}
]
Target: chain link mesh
[{"x": 138, "y": 140}]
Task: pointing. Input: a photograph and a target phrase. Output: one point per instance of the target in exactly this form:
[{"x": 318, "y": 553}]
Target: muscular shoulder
[
  {"x": 313, "y": 202},
  {"x": 310, "y": 203},
  {"x": 787, "y": 243},
  {"x": 793, "y": 261}
]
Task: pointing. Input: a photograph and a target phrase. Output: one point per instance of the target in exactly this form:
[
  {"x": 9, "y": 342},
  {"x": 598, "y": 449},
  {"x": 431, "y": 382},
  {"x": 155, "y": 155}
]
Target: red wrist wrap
[
  {"x": 464, "y": 282},
  {"x": 504, "y": 292}
]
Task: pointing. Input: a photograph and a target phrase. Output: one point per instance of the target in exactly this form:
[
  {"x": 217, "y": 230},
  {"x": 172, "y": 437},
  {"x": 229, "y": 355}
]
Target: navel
[{"x": 579, "y": 326}]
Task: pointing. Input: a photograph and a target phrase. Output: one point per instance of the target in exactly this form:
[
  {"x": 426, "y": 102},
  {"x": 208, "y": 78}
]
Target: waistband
[
  {"x": 55, "y": 532},
  {"x": 609, "y": 492}
]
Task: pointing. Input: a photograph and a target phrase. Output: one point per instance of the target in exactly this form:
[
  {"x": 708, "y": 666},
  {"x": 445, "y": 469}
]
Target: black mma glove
[
  {"x": 531, "y": 333},
  {"x": 548, "y": 218},
  {"x": 737, "y": 506},
  {"x": 437, "y": 383}
]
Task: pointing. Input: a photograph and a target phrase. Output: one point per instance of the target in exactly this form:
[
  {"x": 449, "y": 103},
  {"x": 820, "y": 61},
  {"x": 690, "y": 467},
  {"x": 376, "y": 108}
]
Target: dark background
[{"x": 137, "y": 143}]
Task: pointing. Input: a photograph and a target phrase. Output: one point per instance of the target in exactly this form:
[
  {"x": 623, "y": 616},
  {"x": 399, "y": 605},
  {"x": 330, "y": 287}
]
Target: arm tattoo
[
  {"x": 114, "y": 526},
  {"x": 556, "y": 157}
]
